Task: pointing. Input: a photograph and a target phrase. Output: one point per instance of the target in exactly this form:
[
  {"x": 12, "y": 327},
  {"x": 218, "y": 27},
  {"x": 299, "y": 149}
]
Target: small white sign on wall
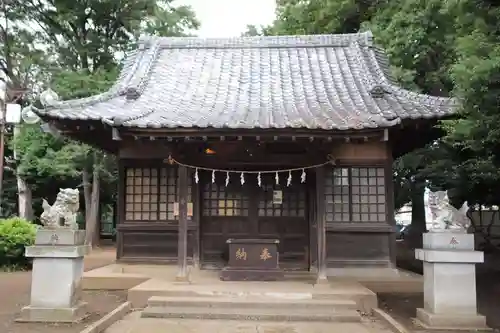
[{"x": 277, "y": 197}]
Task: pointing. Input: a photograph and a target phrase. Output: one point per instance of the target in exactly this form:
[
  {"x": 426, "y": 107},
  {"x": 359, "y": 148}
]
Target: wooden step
[
  {"x": 264, "y": 314},
  {"x": 252, "y": 302}
]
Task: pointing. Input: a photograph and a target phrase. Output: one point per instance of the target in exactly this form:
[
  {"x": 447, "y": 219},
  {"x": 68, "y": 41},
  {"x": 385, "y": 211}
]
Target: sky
[{"x": 229, "y": 18}]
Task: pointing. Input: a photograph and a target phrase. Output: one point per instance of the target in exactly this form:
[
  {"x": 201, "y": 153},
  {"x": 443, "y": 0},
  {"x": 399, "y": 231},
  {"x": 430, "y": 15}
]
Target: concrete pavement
[{"x": 132, "y": 323}]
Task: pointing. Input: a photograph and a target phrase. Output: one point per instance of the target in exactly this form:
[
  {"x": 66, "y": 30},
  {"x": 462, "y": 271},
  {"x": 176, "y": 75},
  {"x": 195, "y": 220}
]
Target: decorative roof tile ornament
[
  {"x": 445, "y": 217},
  {"x": 49, "y": 97},
  {"x": 28, "y": 116},
  {"x": 378, "y": 91}
]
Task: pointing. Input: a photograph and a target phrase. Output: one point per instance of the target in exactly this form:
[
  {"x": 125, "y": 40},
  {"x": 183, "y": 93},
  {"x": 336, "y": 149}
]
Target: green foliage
[
  {"x": 462, "y": 54},
  {"x": 302, "y": 17},
  {"x": 419, "y": 40},
  {"x": 15, "y": 235},
  {"x": 171, "y": 21},
  {"x": 253, "y": 30},
  {"x": 9, "y": 195},
  {"x": 79, "y": 84},
  {"x": 472, "y": 141},
  {"x": 38, "y": 151},
  {"x": 21, "y": 57},
  {"x": 87, "y": 34}
]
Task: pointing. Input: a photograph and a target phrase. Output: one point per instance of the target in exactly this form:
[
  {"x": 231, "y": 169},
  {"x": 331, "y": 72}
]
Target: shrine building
[{"x": 283, "y": 139}]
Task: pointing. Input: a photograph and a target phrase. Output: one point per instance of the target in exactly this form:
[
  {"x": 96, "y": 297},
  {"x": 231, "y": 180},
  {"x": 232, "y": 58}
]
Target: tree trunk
[
  {"x": 87, "y": 192},
  {"x": 418, "y": 223},
  {"x": 25, "y": 202},
  {"x": 92, "y": 221}
]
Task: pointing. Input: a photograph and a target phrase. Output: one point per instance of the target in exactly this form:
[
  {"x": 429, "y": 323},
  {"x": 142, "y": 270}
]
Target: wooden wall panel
[
  {"x": 150, "y": 245},
  {"x": 367, "y": 151},
  {"x": 344, "y": 249},
  {"x": 147, "y": 244},
  {"x": 144, "y": 150}
]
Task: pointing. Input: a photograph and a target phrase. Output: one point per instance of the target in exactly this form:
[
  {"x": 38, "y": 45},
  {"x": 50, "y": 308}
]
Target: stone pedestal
[
  {"x": 56, "y": 277},
  {"x": 449, "y": 282}
]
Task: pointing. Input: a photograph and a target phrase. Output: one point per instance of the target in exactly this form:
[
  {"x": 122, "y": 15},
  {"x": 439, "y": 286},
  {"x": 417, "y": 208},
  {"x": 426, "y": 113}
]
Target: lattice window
[
  {"x": 151, "y": 194},
  {"x": 368, "y": 195},
  {"x": 293, "y": 201},
  {"x": 219, "y": 200},
  {"x": 337, "y": 196},
  {"x": 141, "y": 194},
  {"x": 168, "y": 193},
  {"x": 355, "y": 194}
]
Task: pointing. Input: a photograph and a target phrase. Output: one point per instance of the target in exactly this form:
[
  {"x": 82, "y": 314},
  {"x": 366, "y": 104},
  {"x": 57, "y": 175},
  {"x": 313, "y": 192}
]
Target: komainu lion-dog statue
[
  {"x": 62, "y": 214},
  {"x": 445, "y": 217}
]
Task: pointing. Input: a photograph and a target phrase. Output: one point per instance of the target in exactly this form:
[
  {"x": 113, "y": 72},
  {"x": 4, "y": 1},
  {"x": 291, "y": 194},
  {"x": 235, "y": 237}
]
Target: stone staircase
[{"x": 264, "y": 306}]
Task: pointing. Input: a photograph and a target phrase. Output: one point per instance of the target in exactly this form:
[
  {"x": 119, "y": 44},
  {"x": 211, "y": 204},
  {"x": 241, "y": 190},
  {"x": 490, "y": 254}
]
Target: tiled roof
[{"x": 317, "y": 82}]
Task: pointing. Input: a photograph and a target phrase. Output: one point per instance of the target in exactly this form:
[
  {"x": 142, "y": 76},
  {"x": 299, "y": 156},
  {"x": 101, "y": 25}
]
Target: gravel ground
[{"x": 15, "y": 293}]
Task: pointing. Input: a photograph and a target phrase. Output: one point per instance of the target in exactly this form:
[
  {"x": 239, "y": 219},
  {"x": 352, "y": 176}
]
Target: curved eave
[
  {"x": 439, "y": 107},
  {"x": 372, "y": 122},
  {"x": 413, "y": 106},
  {"x": 95, "y": 133}
]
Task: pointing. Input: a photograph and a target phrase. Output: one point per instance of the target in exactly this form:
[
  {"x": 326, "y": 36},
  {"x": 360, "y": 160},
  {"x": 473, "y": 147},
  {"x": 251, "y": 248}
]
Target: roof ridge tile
[
  {"x": 133, "y": 87},
  {"x": 282, "y": 41}
]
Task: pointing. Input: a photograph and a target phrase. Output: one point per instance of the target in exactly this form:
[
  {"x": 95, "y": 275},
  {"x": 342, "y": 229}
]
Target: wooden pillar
[
  {"x": 321, "y": 224},
  {"x": 115, "y": 218},
  {"x": 313, "y": 225},
  {"x": 195, "y": 198},
  {"x": 120, "y": 208},
  {"x": 389, "y": 192},
  {"x": 182, "y": 271}
]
